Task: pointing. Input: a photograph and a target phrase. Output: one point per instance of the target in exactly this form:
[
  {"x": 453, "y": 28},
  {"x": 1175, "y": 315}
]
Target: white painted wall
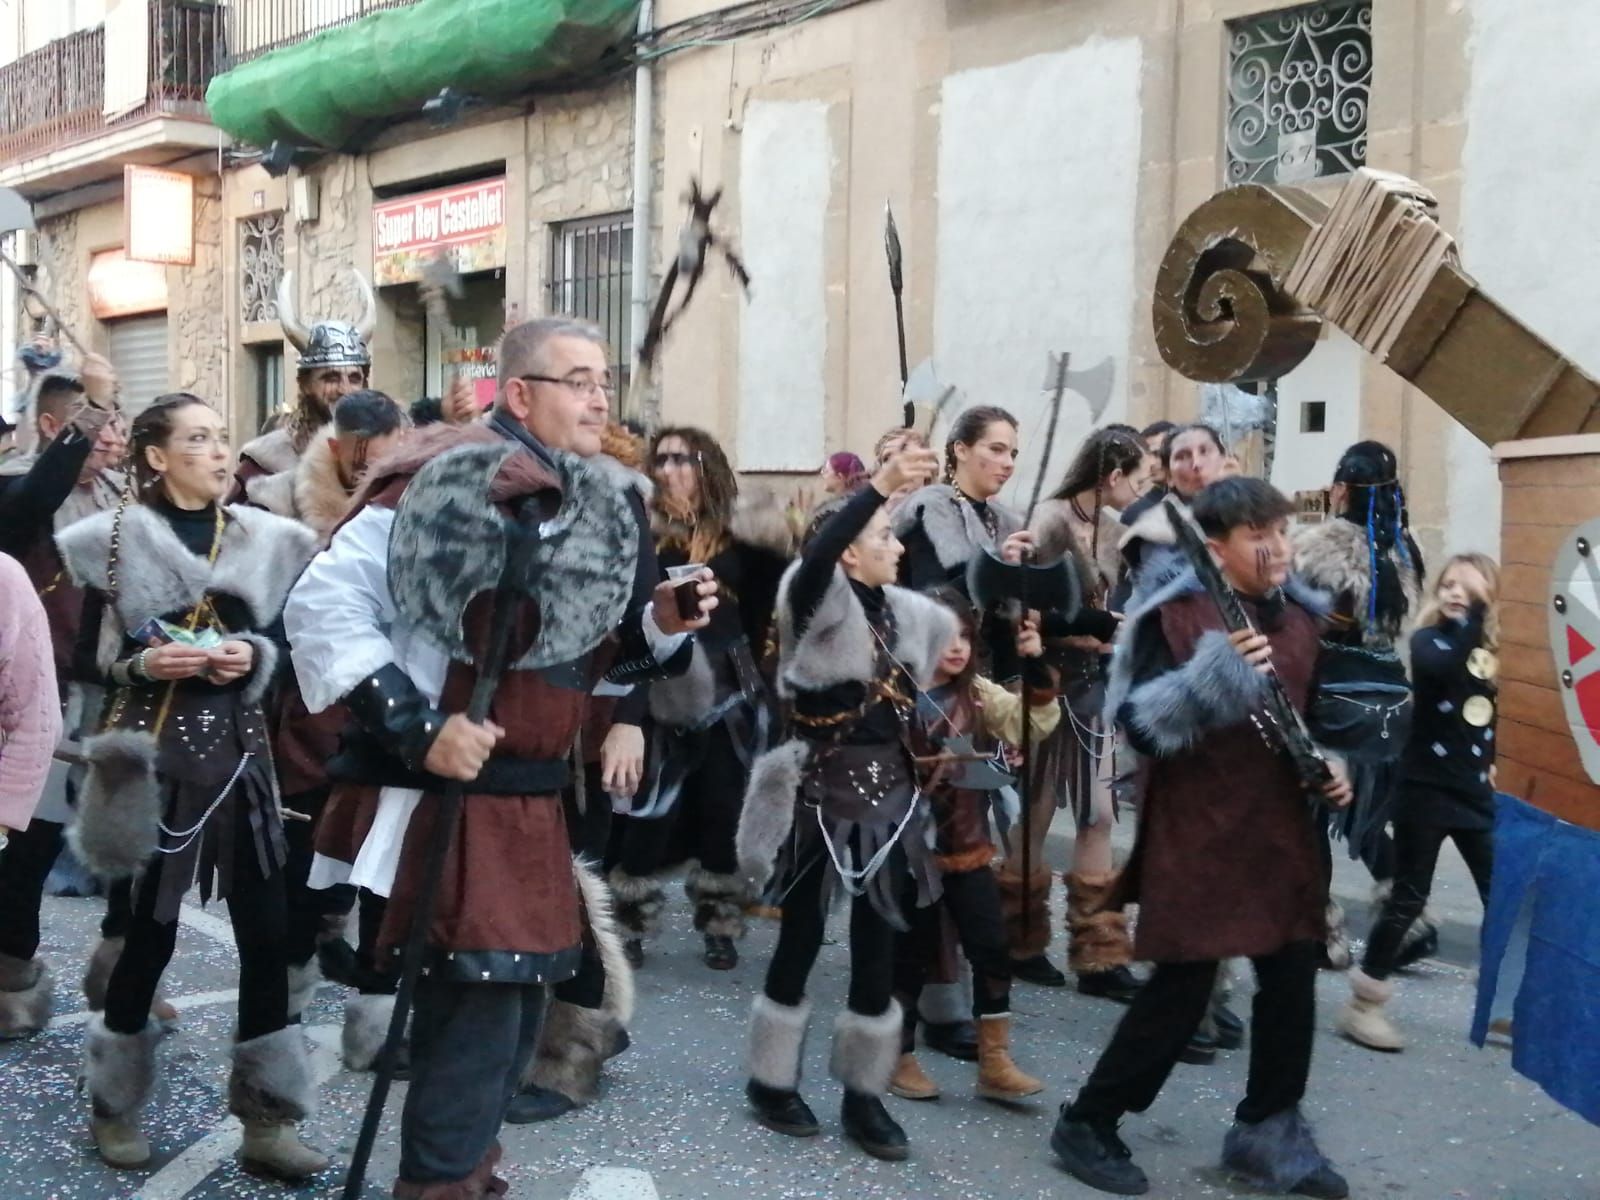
[
  {"x": 1038, "y": 194},
  {"x": 785, "y": 172},
  {"x": 1330, "y": 374},
  {"x": 1530, "y": 200}
]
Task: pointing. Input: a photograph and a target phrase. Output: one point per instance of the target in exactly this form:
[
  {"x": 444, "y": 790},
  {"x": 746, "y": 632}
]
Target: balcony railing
[
  {"x": 257, "y": 26},
  {"x": 55, "y": 96}
]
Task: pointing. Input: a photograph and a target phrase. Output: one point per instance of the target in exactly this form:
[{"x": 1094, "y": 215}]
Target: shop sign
[
  {"x": 467, "y": 223},
  {"x": 120, "y": 287},
  {"x": 158, "y": 215}
]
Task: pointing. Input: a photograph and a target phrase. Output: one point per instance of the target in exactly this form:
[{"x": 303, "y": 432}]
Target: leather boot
[
  {"x": 998, "y": 1077},
  {"x": 865, "y": 1052},
  {"x": 867, "y": 1123},
  {"x": 1093, "y": 1153},
  {"x": 273, "y": 1149},
  {"x": 777, "y": 1044},
  {"x": 270, "y": 1090},
  {"x": 119, "y": 1072},
  {"x": 119, "y": 1142},
  {"x": 911, "y": 1082},
  {"x": 1362, "y": 1019}
]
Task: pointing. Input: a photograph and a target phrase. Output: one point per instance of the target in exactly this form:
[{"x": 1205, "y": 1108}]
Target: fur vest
[
  {"x": 1333, "y": 556},
  {"x": 273, "y": 452},
  {"x": 260, "y": 558},
  {"x": 952, "y": 525},
  {"x": 838, "y": 644},
  {"x": 1059, "y": 531},
  {"x": 311, "y": 492}
]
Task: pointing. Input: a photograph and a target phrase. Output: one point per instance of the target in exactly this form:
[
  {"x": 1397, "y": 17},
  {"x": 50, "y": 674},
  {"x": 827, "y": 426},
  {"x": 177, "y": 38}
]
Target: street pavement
[{"x": 1442, "y": 1121}]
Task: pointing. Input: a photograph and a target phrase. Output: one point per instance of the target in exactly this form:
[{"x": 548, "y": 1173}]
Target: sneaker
[
  {"x": 1093, "y": 1154},
  {"x": 1201, "y": 1050}
]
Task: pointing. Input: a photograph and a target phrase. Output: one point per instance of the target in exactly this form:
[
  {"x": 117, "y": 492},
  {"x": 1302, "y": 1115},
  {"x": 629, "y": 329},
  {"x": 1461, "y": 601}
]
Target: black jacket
[{"x": 1445, "y": 767}]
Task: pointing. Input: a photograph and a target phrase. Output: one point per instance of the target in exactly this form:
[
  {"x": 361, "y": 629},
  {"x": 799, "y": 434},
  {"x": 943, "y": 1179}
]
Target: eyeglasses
[
  {"x": 581, "y": 385},
  {"x": 676, "y": 458}
]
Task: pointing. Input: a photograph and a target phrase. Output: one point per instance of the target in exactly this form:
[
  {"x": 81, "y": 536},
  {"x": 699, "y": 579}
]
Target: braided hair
[
  {"x": 1113, "y": 448},
  {"x": 1376, "y": 502},
  {"x": 967, "y": 428},
  {"x": 152, "y": 427}
]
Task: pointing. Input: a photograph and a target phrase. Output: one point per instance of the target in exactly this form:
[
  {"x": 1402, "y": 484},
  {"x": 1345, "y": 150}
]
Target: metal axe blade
[{"x": 1092, "y": 383}]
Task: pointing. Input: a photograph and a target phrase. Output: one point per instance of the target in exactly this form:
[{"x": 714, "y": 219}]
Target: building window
[
  {"x": 591, "y": 276},
  {"x": 1298, "y": 85},
  {"x": 260, "y": 266},
  {"x": 270, "y": 397},
  {"x": 1314, "y": 416}
]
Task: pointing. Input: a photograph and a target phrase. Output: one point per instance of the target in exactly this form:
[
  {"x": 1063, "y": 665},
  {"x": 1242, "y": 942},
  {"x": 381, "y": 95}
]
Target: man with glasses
[{"x": 510, "y": 923}]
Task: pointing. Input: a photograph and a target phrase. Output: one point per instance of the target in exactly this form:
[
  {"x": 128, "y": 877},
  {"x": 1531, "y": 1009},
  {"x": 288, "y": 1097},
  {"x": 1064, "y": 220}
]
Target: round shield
[{"x": 1574, "y": 613}]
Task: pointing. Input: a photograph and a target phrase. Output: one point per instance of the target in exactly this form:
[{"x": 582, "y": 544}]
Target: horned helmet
[{"x": 329, "y": 343}]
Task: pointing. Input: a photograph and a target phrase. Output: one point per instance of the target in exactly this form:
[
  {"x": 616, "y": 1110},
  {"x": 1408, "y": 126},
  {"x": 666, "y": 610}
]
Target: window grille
[
  {"x": 260, "y": 266},
  {"x": 591, "y": 276},
  {"x": 1299, "y": 80}
]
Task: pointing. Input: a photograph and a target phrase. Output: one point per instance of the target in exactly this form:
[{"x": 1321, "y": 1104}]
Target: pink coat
[{"x": 30, "y": 705}]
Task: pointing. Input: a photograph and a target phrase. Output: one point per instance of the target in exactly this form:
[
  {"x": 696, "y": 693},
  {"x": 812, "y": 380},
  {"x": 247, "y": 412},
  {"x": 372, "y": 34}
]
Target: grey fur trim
[
  {"x": 275, "y": 493},
  {"x": 366, "y": 1025},
  {"x": 261, "y": 557},
  {"x": 1276, "y": 1154},
  {"x": 26, "y": 989},
  {"x": 778, "y": 1042},
  {"x": 838, "y": 645},
  {"x": 264, "y": 671},
  {"x": 271, "y": 1078},
  {"x": 865, "y": 1049},
  {"x": 97, "y": 974},
  {"x": 273, "y": 451},
  {"x": 638, "y": 900},
  {"x": 952, "y": 527},
  {"x": 1215, "y": 688},
  {"x": 719, "y": 901},
  {"x": 304, "y": 980},
  {"x": 119, "y": 810},
  {"x": 1333, "y": 557},
  {"x": 119, "y": 1069},
  {"x": 618, "y": 998},
  {"x": 758, "y": 520},
  {"x": 1153, "y": 527},
  {"x": 573, "y": 1045},
  {"x": 683, "y": 701},
  {"x": 767, "y": 814},
  {"x": 623, "y": 477}
]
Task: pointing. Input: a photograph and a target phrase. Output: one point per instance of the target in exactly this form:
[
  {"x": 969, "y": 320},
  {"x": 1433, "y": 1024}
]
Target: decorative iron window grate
[
  {"x": 260, "y": 266},
  {"x": 591, "y": 276},
  {"x": 1298, "y": 85}
]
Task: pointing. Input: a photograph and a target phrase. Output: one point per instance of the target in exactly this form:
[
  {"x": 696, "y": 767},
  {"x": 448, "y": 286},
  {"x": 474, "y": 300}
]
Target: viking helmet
[{"x": 329, "y": 343}]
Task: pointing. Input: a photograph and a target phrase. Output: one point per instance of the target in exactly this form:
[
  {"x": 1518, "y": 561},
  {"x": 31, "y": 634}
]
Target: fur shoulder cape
[
  {"x": 1057, "y": 532},
  {"x": 838, "y": 645},
  {"x": 272, "y": 452},
  {"x": 953, "y": 528},
  {"x": 261, "y": 557},
  {"x": 1334, "y": 556},
  {"x": 311, "y": 493}
]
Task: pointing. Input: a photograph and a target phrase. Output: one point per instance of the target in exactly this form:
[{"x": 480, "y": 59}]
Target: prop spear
[
  {"x": 521, "y": 541},
  {"x": 897, "y": 283}
]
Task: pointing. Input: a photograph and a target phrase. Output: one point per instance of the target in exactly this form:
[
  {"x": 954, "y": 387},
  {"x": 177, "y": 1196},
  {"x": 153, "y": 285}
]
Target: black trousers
[
  {"x": 703, "y": 822},
  {"x": 589, "y": 828},
  {"x": 470, "y": 1043},
  {"x": 972, "y": 901},
  {"x": 800, "y": 936},
  {"x": 258, "y": 911},
  {"x": 1417, "y": 846},
  {"x": 310, "y": 909},
  {"x": 24, "y": 865},
  {"x": 1167, "y": 1011}
]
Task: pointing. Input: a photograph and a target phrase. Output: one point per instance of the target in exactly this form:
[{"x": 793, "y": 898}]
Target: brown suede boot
[
  {"x": 998, "y": 1077},
  {"x": 911, "y": 1082}
]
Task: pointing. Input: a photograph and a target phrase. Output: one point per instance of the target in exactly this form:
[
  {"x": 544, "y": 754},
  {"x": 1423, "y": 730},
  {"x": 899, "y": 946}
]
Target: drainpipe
[{"x": 643, "y": 139}]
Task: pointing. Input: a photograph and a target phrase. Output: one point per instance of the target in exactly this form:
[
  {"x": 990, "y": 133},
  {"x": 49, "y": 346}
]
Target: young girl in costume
[
  {"x": 964, "y": 714},
  {"x": 1446, "y": 787},
  {"x": 836, "y": 806}
]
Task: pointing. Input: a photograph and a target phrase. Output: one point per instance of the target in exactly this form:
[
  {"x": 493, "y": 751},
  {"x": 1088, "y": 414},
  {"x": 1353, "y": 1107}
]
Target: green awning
[{"x": 320, "y": 92}]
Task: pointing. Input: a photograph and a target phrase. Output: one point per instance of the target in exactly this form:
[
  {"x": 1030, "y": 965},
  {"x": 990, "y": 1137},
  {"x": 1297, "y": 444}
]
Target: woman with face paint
[{"x": 181, "y": 625}]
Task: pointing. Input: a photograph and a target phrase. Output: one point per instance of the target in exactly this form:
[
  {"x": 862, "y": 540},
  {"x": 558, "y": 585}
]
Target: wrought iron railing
[
  {"x": 55, "y": 96},
  {"x": 257, "y": 26}
]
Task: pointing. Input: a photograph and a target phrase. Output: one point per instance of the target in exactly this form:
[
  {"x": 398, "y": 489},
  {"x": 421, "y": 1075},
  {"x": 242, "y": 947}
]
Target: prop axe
[
  {"x": 17, "y": 217},
  {"x": 926, "y": 399},
  {"x": 897, "y": 283}
]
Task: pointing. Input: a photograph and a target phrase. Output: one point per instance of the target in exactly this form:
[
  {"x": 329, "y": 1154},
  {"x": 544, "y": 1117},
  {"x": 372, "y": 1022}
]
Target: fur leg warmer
[
  {"x": 119, "y": 1069},
  {"x": 1099, "y": 939},
  {"x": 1274, "y": 1155},
  {"x": 866, "y": 1049},
  {"x": 366, "y": 1025},
  {"x": 271, "y": 1078},
  {"x": 638, "y": 899},
  {"x": 718, "y": 900},
  {"x": 1030, "y": 938},
  {"x": 778, "y": 1042},
  {"x": 25, "y": 991},
  {"x": 573, "y": 1045},
  {"x": 304, "y": 980}
]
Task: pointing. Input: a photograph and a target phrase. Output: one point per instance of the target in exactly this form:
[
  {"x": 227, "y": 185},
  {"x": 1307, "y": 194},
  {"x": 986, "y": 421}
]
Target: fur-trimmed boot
[
  {"x": 366, "y": 1026},
  {"x": 1336, "y": 948},
  {"x": 304, "y": 980},
  {"x": 1362, "y": 1019},
  {"x": 97, "y": 977},
  {"x": 777, "y": 1044},
  {"x": 119, "y": 1073},
  {"x": 638, "y": 901},
  {"x": 1421, "y": 938},
  {"x": 1028, "y": 939},
  {"x": 1280, "y": 1155},
  {"x": 1099, "y": 947},
  {"x": 270, "y": 1090},
  {"x": 865, "y": 1052},
  {"x": 910, "y": 1081},
  {"x": 25, "y": 991},
  {"x": 719, "y": 901},
  {"x": 999, "y": 1078}
]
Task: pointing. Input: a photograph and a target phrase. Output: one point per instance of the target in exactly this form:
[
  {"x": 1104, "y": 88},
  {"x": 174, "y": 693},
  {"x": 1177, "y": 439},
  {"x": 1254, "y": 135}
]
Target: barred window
[
  {"x": 591, "y": 276},
  {"x": 260, "y": 266},
  {"x": 1298, "y": 86}
]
